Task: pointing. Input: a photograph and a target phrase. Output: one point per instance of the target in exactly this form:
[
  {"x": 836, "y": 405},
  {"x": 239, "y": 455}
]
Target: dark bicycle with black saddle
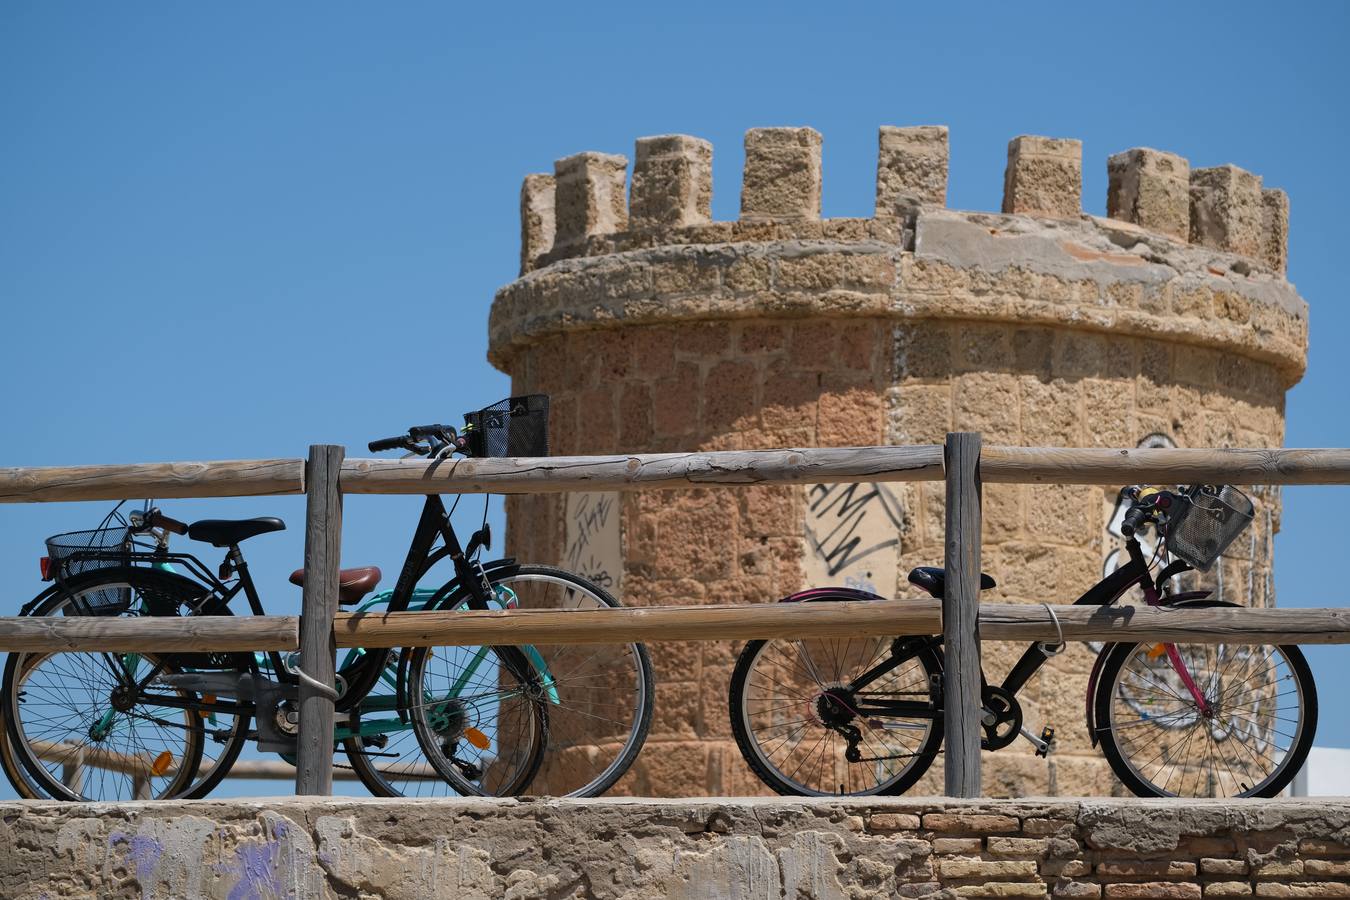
[
  {"x": 420, "y": 721},
  {"x": 865, "y": 715}
]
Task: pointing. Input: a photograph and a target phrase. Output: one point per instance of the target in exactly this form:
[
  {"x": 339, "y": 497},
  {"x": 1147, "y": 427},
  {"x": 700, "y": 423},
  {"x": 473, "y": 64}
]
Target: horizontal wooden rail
[
  {"x": 218, "y": 634},
  {"x": 163, "y": 481},
  {"x": 998, "y": 621},
  {"x": 1026, "y": 465},
  {"x": 727, "y": 468},
  {"x": 558, "y": 474},
  {"x": 280, "y": 770},
  {"x": 261, "y": 769}
]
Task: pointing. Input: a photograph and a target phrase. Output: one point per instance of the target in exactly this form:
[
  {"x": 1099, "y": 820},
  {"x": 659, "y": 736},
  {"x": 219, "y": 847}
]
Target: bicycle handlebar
[
  {"x": 422, "y": 440},
  {"x": 153, "y": 518},
  {"x": 390, "y": 443},
  {"x": 1133, "y": 519}
]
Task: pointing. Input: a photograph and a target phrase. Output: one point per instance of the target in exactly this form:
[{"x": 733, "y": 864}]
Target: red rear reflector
[{"x": 45, "y": 564}]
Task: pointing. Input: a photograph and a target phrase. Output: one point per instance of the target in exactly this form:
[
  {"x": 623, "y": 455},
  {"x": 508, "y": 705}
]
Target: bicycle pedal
[{"x": 1047, "y": 739}]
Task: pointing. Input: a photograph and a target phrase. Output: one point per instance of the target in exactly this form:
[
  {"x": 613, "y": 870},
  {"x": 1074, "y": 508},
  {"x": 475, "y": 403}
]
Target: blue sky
[{"x": 202, "y": 207}]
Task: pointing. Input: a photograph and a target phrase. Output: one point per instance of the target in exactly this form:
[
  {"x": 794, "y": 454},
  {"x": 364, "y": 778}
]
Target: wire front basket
[
  {"x": 78, "y": 552},
  {"x": 517, "y": 426},
  {"x": 1209, "y": 518}
]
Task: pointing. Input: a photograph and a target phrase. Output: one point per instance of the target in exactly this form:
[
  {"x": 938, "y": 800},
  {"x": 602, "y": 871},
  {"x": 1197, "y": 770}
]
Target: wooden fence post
[
  {"x": 960, "y": 616},
  {"x": 323, "y": 547}
]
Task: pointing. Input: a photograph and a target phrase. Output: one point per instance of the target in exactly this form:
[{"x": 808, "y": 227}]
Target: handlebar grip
[
  {"x": 1133, "y": 519},
  {"x": 159, "y": 520},
  {"x": 391, "y": 443},
  {"x": 420, "y": 432}
]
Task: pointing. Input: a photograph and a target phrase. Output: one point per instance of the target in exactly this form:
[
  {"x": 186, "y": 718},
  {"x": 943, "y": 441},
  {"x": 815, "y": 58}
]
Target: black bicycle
[
  {"x": 419, "y": 721},
  {"x": 865, "y": 715}
]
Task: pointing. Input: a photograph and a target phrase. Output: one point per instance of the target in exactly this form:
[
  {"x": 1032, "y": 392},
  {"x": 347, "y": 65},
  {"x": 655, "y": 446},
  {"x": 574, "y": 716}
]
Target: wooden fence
[{"x": 963, "y": 462}]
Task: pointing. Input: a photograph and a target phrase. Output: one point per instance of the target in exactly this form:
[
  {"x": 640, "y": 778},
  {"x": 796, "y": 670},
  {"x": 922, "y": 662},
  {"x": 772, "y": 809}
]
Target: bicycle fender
[
  {"x": 1176, "y": 600},
  {"x": 828, "y": 594}
]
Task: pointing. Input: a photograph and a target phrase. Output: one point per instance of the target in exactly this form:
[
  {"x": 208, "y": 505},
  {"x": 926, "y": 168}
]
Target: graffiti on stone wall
[
  {"x": 853, "y": 537},
  {"x": 593, "y": 548}
]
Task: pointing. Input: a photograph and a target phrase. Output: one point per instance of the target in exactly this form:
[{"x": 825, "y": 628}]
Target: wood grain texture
[
  {"x": 1215, "y": 625},
  {"x": 998, "y": 622},
  {"x": 557, "y": 474},
  {"x": 163, "y": 481},
  {"x": 650, "y": 623},
  {"x": 280, "y": 770},
  {"x": 961, "y": 676},
  {"x": 319, "y": 603},
  {"x": 1027, "y": 465},
  {"x": 122, "y": 635}
]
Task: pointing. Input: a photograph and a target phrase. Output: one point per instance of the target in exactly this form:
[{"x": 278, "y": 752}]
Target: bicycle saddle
[
  {"x": 933, "y": 579},
  {"x": 353, "y": 584},
  {"x": 228, "y": 532}
]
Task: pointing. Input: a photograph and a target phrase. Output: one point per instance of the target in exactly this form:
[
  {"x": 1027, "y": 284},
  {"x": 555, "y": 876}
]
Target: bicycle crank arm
[{"x": 1042, "y": 743}]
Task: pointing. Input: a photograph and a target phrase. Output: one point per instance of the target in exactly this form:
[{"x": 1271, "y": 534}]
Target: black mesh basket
[
  {"x": 1208, "y": 519},
  {"x": 517, "y": 426},
  {"x": 77, "y": 552}
]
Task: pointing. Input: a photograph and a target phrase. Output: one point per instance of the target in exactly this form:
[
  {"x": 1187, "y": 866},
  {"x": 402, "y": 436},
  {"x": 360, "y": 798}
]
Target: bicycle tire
[
  {"x": 1142, "y": 786},
  {"x": 569, "y": 727},
  {"x": 150, "y": 581},
  {"x": 739, "y": 707}
]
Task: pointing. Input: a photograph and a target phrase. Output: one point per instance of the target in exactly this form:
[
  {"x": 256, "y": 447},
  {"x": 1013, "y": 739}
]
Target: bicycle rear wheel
[
  {"x": 597, "y": 697},
  {"x": 80, "y": 734},
  {"x": 1250, "y": 741},
  {"x": 796, "y": 704}
]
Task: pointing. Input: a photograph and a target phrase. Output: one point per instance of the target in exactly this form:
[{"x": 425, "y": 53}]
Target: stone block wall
[
  {"x": 1039, "y": 327},
  {"x": 315, "y": 848}
]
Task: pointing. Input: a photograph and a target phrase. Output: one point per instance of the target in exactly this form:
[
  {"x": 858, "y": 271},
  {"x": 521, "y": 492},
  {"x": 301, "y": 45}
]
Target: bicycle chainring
[{"x": 1001, "y": 719}]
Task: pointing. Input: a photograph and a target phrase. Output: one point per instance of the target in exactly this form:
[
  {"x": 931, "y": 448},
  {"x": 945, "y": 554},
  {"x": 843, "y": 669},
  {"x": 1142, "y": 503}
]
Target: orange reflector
[
  {"x": 477, "y": 738},
  {"x": 1156, "y": 651},
  {"x": 161, "y": 763},
  {"x": 207, "y": 698}
]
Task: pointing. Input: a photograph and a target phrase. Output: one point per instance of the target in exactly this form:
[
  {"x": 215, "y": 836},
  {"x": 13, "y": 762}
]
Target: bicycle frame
[
  {"x": 362, "y": 669},
  {"x": 1109, "y": 590}
]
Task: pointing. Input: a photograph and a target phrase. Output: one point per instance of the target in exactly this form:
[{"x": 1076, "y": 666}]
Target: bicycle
[
  {"x": 865, "y": 716},
  {"x": 499, "y": 721}
]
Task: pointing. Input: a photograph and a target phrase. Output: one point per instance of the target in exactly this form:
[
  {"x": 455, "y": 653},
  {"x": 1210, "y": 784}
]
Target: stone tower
[{"x": 657, "y": 329}]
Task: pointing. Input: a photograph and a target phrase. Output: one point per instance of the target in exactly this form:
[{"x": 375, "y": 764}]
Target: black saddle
[
  {"x": 933, "y": 579},
  {"x": 228, "y": 532}
]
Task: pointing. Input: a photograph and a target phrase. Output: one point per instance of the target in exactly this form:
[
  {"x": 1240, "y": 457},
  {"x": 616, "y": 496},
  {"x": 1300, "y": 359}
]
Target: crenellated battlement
[{"x": 584, "y": 208}]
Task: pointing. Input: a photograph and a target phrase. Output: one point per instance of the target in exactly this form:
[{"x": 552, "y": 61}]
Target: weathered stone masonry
[
  {"x": 310, "y": 848},
  {"x": 656, "y": 329}
]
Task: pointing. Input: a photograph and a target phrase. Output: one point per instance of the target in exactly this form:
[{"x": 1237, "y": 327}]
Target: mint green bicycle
[{"x": 417, "y": 721}]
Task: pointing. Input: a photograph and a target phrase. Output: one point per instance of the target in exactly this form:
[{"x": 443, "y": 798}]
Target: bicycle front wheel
[
  {"x": 1248, "y": 739},
  {"x": 94, "y": 726},
  {"x": 596, "y": 698}
]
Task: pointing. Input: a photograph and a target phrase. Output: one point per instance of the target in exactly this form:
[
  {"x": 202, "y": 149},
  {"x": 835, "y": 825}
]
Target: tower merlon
[
  {"x": 1044, "y": 177},
  {"x": 1151, "y": 189},
  {"x": 672, "y": 182},
  {"x": 536, "y": 218},
  {"x": 1226, "y": 210},
  {"x": 782, "y": 175},
  {"x": 1275, "y": 229},
  {"x": 589, "y": 196},
  {"x": 911, "y": 167}
]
